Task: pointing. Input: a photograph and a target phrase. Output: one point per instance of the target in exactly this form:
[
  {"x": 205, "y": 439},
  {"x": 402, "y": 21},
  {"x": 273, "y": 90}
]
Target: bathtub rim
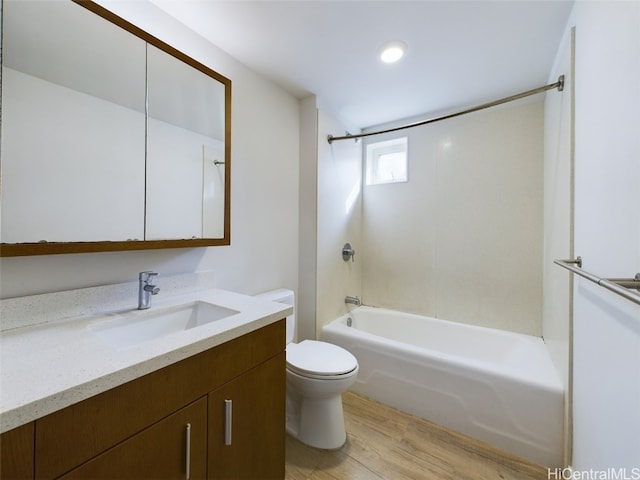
[{"x": 339, "y": 325}]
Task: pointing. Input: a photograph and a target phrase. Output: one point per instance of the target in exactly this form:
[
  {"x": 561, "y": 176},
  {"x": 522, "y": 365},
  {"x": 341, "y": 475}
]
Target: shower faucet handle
[{"x": 348, "y": 252}]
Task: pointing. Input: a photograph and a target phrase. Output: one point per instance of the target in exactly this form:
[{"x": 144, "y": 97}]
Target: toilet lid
[{"x": 319, "y": 358}]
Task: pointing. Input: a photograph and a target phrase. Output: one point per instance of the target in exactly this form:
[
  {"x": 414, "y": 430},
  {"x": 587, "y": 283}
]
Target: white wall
[
  {"x": 462, "y": 239},
  {"x": 606, "y": 327},
  {"x": 264, "y": 197}
]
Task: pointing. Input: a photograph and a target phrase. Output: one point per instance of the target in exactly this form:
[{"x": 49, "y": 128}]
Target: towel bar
[{"x": 621, "y": 286}]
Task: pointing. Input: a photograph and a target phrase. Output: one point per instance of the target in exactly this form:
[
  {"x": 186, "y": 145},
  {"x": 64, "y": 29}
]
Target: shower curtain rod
[{"x": 559, "y": 85}]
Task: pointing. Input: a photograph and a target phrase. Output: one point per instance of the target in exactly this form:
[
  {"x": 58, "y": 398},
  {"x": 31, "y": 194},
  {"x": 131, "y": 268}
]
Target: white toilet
[{"x": 317, "y": 375}]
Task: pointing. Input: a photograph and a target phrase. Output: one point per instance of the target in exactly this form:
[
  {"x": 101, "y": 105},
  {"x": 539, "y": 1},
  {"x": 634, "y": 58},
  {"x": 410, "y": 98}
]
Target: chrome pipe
[{"x": 559, "y": 85}]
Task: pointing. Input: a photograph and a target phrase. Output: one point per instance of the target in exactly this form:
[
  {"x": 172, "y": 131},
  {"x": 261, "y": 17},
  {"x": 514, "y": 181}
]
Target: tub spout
[{"x": 355, "y": 300}]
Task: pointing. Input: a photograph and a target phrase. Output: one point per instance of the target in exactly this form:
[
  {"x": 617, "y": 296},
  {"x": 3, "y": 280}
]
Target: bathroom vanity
[{"x": 217, "y": 413}]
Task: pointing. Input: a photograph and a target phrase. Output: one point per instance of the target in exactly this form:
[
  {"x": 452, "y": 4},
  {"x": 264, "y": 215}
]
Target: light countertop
[{"x": 49, "y": 366}]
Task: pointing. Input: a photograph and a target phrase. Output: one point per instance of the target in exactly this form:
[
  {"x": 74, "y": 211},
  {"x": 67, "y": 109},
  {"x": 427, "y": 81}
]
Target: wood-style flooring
[{"x": 384, "y": 443}]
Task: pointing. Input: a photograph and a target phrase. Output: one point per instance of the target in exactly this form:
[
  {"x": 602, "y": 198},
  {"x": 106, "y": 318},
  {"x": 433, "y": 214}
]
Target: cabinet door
[
  {"x": 247, "y": 424},
  {"x": 16, "y": 453},
  {"x": 173, "y": 448}
]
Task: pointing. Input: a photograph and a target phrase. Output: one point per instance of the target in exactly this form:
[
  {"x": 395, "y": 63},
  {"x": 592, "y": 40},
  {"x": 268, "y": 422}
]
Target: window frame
[{"x": 376, "y": 150}]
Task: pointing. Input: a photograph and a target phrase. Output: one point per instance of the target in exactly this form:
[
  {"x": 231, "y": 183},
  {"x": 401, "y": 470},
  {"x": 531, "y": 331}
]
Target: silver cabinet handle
[
  {"x": 228, "y": 417},
  {"x": 188, "y": 452}
]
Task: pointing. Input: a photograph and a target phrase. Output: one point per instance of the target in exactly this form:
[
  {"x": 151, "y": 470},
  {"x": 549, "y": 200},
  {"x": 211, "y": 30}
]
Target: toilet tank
[{"x": 282, "y": 295}]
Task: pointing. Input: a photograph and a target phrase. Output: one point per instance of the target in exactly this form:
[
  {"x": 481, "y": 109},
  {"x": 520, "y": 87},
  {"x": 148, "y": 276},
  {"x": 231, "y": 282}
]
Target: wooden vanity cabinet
[{"x": 138, "y": 430}]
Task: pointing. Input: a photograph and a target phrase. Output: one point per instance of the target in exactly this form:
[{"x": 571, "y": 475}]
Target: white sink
[{"x": 141, "y": 326}]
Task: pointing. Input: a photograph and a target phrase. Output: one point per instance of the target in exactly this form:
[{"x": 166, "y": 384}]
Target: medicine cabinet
[{"x": 111, "y": 139}]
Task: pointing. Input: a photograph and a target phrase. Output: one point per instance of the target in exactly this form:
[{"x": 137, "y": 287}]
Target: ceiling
[{"x": 460, "y": 53}]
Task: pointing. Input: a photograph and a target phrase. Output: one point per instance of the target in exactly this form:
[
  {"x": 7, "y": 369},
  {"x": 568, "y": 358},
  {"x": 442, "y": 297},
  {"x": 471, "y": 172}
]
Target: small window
[{"x": 387, "y": 161}]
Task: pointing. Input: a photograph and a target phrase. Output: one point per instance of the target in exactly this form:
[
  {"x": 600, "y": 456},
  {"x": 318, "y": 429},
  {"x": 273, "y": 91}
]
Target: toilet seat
[{"x": 322, "y": 360}]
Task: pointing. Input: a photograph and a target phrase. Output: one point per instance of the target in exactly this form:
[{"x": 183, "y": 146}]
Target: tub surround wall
[
  {"x": 339, "y": 220},
  {"x": 264, "y": 193},
  {"x": 558, "y": 223},
  {"x": 462, "y": 239},
  {"x": 330, "y": 216}
]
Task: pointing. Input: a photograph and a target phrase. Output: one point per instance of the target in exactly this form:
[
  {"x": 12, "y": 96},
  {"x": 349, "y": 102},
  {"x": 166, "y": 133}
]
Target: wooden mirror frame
[{"x": 51, "y": 248}]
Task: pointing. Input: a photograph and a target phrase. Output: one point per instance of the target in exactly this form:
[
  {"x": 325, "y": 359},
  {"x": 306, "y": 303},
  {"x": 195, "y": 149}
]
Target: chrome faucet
[
  {"x": 146, "y": 289},
  {"x": 355, "y": 300}
]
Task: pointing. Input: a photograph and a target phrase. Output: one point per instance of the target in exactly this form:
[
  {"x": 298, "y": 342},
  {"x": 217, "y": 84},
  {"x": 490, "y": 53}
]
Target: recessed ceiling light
[{"x": 393, "y": 51}]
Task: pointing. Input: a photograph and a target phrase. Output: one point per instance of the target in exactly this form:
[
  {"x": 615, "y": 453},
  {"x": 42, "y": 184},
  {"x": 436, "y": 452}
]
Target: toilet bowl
[{"x": 317, "y": 375}]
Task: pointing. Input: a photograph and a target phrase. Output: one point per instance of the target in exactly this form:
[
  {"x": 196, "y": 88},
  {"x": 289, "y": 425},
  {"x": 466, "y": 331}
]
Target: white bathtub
[{"x": 495, "y": 386}]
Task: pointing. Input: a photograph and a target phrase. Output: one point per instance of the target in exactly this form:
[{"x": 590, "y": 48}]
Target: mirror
[
  {"x": 185, "y": 149},
  {"x": 111, "y": 139}
]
